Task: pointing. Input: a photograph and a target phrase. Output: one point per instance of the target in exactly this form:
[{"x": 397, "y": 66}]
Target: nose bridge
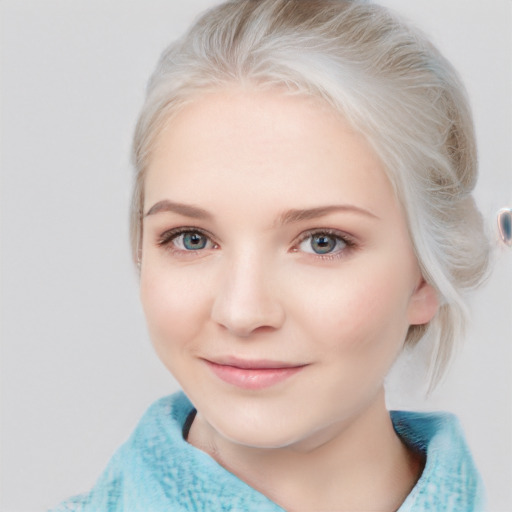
[{"x": 247, "y": 297}]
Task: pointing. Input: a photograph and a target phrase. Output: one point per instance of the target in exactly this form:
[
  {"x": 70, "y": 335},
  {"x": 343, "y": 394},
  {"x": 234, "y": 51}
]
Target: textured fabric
[
  {"x": 450, "y": 480},
  {"x": 157, "y": 470}
]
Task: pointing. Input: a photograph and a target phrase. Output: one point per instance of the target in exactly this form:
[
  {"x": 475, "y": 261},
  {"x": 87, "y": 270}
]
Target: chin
[
  {"x": 257, "y": 428},
  {"x": 265, "y": 439}
]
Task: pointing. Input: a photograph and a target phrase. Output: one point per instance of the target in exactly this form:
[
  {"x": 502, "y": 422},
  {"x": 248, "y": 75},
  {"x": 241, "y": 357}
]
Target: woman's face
[{"x": 277, "y": 275}]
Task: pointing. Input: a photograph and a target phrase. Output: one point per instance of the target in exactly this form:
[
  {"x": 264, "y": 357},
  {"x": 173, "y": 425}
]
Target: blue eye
[
  {"x": 192, "y": 241},
  {"x": 186, "y": 240},
  {"x": 322, "y": 244}
]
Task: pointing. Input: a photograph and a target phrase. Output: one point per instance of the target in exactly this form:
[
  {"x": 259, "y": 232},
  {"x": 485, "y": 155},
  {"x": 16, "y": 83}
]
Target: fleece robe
[{"x": 156, "y": 470}]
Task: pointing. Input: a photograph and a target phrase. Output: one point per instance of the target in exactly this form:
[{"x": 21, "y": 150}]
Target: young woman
[{"x": 302, "y": 211}]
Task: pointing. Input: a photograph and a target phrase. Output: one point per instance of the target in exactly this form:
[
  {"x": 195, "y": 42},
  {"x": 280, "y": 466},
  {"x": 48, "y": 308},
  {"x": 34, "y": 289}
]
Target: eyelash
[
  {"x": 165, "y": 240},
  {"x": 349, "y": 241}
]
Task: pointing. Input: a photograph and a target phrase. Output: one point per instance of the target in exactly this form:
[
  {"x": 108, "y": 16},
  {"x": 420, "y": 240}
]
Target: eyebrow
[
  {"x": 186, "y": 210},
  {"x": 299, "y": 215},
  {"x": 287, "y": 217}
]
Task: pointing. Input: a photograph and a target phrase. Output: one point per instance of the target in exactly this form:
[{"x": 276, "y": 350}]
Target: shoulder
[
  {"x": 450, "y": 480},
  {"x": 165, "y": 417},
  {"x": 156, "y": 469},
  {"x": 155, "y": 439}
]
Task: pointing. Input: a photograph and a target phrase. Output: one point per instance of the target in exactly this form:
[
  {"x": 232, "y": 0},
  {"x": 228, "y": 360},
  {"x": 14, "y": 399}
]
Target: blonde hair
[{"x": 388, "y": 81}]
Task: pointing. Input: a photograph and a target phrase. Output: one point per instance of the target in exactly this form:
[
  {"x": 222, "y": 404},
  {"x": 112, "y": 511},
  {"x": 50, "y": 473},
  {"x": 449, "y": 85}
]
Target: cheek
[
  {"x": 353, "y": 310},
  {"x": 174, "y": 304}
]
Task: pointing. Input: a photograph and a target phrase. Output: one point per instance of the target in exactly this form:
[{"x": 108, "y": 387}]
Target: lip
[{"x": 252, "y": 374}]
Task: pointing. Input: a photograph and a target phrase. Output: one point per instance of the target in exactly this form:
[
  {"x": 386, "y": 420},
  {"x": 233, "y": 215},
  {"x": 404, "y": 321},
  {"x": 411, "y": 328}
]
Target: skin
[{"x": 322, "y": 438}]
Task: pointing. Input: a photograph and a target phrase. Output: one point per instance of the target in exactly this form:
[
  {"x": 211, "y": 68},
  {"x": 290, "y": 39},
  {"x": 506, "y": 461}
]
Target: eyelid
[
  {"x": 350, "y": 241},
  {"x": 165, "y": 238},
  {"x": 337, "y": 233}
]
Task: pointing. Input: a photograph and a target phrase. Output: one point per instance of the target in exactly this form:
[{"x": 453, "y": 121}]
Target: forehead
[{"x": 249, "y": 144}]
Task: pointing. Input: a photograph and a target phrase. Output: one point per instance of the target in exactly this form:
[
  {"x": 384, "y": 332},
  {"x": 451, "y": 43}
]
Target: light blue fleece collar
[{"x": 156, "y": 470}]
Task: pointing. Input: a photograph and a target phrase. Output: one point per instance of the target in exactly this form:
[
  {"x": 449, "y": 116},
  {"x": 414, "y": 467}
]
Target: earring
[{"x": 505, "y": 225}]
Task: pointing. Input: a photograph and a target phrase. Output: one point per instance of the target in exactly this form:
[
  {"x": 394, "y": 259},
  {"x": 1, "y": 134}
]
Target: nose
[{"x": 248, "y": 300}]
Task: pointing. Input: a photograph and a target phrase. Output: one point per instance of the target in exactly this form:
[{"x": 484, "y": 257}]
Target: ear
[{"x": 423, "y": 304}]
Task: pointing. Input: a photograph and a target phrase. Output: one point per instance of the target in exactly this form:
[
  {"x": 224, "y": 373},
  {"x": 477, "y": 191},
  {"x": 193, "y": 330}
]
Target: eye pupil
[
  {"x": 323, "y": 244},
  {"x": 194, "y": 241}
]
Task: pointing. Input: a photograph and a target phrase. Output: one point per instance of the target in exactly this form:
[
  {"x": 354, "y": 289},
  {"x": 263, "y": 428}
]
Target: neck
[{"x": 352, "y": 466}]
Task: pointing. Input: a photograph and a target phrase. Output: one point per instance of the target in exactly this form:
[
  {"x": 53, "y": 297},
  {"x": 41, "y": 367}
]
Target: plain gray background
[{"x": 77, "y": 368}]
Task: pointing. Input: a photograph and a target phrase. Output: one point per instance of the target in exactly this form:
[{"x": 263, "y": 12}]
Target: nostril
[
  {"x": 247, "y": 301},
  {"x": 244, "y": 320},
  {"x": 246, "y": 330},
  {"x": 263, "y": 329}
]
